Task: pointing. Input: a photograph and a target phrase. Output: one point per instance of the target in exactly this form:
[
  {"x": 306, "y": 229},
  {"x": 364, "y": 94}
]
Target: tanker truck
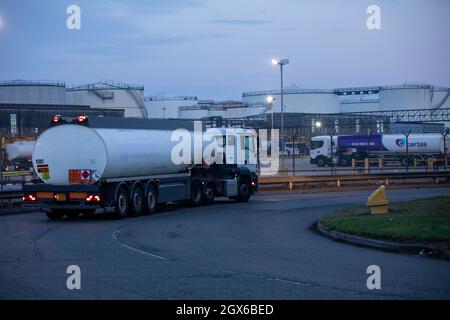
[
  {"x": 126, "y": 166},
  {"x": 387, "y": 146},
  {"x": 19, "y": 155}
]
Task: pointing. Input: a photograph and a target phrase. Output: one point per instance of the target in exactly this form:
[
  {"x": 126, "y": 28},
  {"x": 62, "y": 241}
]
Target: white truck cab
[{"x": 320, "y": 153}]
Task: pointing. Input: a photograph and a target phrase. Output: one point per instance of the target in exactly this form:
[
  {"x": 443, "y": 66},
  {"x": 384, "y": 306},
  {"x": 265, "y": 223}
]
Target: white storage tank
[
  {"x": 405, "y": 97},
  {"x": 111, "y": 95},
  {"x": 32, "y": 92},
  {"x": 159, "y": 107},
  {"x": 297, "y": 100},
  {"x": 193, "y": 112},
  {"x": 440, "y": 97}
]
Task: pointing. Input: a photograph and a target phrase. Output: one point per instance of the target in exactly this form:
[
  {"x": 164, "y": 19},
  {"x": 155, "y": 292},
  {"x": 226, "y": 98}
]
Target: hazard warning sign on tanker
[
  {"x": 79, "y": 176},
  {"x": 44, "y": 171},
  {"x": 86, "y": 175}
]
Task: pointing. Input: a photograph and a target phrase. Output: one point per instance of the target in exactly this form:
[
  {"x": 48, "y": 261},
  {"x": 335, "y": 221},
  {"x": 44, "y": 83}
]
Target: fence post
[
  {"x": 366, "y": 165},
  {"x": 354, "y": 165}
]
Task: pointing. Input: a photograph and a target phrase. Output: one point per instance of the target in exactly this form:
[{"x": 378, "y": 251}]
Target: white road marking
[{"x": 114, "y": 236}]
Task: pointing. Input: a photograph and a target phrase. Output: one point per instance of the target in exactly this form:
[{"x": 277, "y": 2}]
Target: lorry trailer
[
  {"x": 392, "y": 146},
  {"x": 126, "y": 166}
]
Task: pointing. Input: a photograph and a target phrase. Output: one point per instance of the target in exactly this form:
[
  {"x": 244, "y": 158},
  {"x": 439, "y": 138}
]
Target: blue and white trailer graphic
[{"x": 394, "y": 146}]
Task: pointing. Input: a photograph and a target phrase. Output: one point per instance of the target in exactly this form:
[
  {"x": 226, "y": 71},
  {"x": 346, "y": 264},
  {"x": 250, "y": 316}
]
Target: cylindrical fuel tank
[
  {"x": 106, "y": 153},
  {"x": 19, "y": 150},
  {"x": 417, "y": 143}
]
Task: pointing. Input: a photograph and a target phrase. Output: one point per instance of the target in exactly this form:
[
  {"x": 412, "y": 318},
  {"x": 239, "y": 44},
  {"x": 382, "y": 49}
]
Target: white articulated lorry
[
  {"x": 391, "y": 146},
  {"x": 128, "y": 166}
]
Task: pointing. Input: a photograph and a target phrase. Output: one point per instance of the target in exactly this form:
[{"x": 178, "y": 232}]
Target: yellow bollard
[{"x": 378, "y": 202}]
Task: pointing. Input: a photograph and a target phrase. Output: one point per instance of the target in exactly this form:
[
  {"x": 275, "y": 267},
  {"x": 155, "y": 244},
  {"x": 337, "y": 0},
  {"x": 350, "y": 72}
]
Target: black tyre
[
  {"x": 321, "y": 162},
  {"x": 196, "y": 194},
  {"x": 151, "y": 200},
  {"x": 245, "y": 191},
  {"x": 55, "y": 214},
  {"x": 209, "y": 194},
  {"x": 122, "y": 203},
  {"x": 405, "y": 161},
  {"x": 137, "y": 202},
  {"x": 344, "y": 162}
]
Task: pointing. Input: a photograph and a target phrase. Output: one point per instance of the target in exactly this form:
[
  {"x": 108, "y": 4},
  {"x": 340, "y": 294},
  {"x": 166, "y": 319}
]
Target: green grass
[{"x": 426, "y": 220}]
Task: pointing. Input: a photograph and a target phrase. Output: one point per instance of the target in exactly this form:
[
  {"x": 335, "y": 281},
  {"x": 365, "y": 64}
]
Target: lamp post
[
  {"x": 281, "y": 63},
  {"x": 444, "y": 135},
  {"x": 332, "y": 135},
  {"x": 368, "y": 148},
  {"x": 407, "y": 133},
  {"x": 270, "y": 101}
]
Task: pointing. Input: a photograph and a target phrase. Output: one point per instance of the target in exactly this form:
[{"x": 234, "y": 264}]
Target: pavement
[{"x": 263, "y": 249}]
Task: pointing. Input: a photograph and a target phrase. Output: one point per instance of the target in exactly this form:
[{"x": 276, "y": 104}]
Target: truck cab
[{"x": 320, "y": 153}]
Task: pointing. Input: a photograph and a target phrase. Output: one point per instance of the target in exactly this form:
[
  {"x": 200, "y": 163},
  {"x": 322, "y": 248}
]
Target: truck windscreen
[{"x": 316, "y": 144}]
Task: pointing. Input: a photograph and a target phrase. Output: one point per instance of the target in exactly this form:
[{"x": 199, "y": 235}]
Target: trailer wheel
[
  {"x": 405, "y": 161},
  {"x": 151, "y": 199},
  {"x": 55, "y": 214},
  {"x": 210, "y": 192},
  {"x": 196, "y": 194},
  {"x": 245, "y": 191},
  {"x": 122, "y": 203},
  {"x": 137, "y": 201}
]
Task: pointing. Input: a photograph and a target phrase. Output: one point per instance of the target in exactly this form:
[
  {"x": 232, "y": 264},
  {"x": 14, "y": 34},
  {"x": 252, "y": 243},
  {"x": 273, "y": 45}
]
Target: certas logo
[{"x": 401, "y": 142}]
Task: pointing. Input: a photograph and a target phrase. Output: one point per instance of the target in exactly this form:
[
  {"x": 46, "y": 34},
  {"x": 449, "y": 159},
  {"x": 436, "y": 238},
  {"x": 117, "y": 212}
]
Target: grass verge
[{"x": 424, "y": 221}]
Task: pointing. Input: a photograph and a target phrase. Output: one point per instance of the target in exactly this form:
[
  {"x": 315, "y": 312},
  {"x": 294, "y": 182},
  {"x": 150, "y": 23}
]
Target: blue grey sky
[{"x": 218, "y": 49}]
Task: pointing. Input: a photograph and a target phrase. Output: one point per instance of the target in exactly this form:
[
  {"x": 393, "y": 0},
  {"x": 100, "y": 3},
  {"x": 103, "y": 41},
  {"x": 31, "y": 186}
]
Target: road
[{"x": 263, "y": 249}]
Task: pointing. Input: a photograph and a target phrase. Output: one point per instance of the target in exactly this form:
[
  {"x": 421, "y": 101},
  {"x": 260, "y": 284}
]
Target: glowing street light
[
  {"x": 318, "y": 124},
  {"x": 270, "y": 101}
]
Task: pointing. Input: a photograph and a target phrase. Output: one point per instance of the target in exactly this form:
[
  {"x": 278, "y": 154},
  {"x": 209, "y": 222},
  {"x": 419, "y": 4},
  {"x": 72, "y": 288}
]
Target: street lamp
[
  {"x": 444, "y": 135},
  {"x": 318, "y": 124},
  {"x": 270, "y": 101},
  {"x": 281, "y": 63}
]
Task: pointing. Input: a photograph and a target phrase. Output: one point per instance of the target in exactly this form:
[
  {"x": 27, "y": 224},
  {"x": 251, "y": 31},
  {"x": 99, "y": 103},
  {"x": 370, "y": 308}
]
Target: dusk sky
[{"x": 218, "y": 49}]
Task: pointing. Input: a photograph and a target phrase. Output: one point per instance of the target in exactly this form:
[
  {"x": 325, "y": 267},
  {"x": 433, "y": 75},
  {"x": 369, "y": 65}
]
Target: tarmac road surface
[{"x": 263, "y": 249}]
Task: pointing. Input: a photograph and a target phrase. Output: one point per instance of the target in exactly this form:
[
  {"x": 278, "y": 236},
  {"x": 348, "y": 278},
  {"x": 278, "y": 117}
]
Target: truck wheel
[
  {"x": 344, "y": 162},
  {"x": 245, "y": 191},
  {"x": 151, "y": 200},
  {"x": 72, "y": 214},
  {"x": 210, "y": 192},
  {"x": 122, "y": 203},
  {"x": 55, "y": 214},
  {"x": 137, "y": 201},
  {"x": 196, "y": 194},
  {"x": 405, "y": 161},
  {"x": 321, "y": 162}
]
